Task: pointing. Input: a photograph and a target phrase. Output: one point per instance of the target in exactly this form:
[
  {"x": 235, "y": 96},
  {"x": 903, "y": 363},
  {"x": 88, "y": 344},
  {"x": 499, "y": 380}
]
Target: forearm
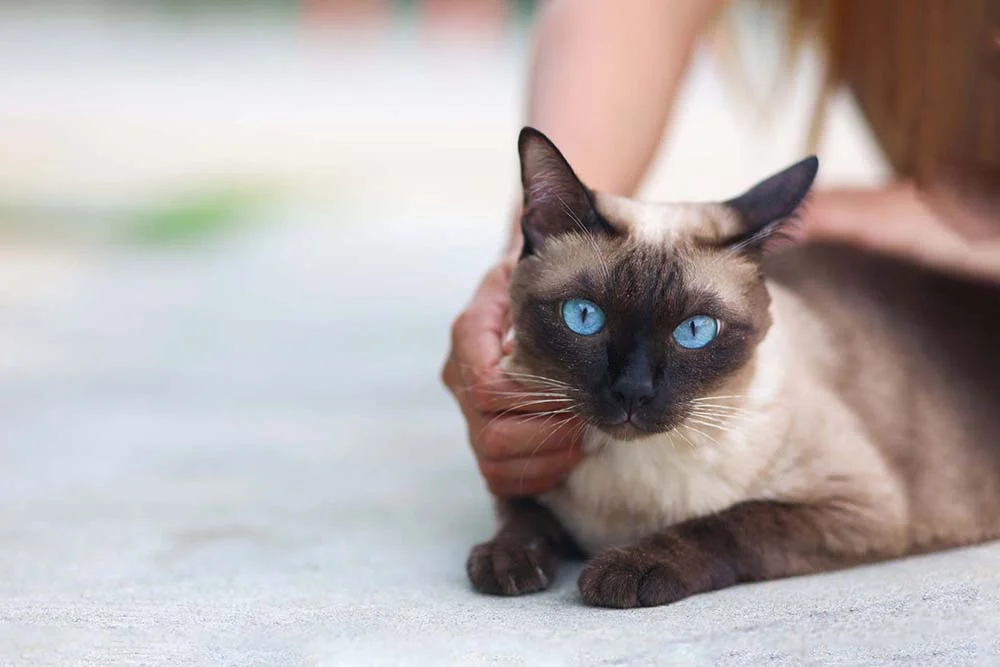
[{"x": 603, "y": 80}]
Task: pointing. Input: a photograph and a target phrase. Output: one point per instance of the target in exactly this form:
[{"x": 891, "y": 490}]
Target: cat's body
[
  {"x": 875, "y": 394},
  {"x": 845, "y": 409}
]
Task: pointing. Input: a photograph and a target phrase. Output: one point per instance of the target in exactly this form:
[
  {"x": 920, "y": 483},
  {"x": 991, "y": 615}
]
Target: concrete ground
[
  {"x": 236, "y": 451},
  {"x": 204, "y": 467}
]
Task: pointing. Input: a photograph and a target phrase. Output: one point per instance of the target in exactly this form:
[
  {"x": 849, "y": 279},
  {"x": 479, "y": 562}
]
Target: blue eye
[
  {"x": 697, "y": 331},
  {"x": 583, "y": 317}
]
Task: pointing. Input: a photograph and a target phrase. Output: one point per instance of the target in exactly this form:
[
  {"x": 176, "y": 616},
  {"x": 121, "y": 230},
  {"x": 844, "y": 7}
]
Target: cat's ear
[
  {"x": 765, "y": 207},
  {"x": 555, "y": 201}
]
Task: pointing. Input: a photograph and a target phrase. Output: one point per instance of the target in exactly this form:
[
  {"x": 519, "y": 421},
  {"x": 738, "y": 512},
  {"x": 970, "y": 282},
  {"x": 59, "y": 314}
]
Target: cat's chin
[{"x": 628, "y": 431}]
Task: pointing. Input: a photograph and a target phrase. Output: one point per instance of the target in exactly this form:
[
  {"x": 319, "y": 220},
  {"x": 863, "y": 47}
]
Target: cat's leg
[
  {"x": 752, "y": 541},
  {"x": 524, "y": 555}
]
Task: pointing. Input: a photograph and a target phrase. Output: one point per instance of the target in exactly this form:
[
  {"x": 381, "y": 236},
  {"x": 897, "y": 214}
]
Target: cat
[{"x": 750, "y": 413}]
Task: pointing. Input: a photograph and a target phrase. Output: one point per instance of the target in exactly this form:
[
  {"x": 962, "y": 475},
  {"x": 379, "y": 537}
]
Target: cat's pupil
[
  {"x": 694, "y": 328},
  {"x": 582, "y": 317}
]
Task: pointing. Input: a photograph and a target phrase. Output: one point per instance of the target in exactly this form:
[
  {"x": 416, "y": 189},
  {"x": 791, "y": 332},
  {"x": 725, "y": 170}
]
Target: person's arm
[
  {"x": 603, "y": 80},
  {"x": 901, "y": 220},
  {"x": 602, "y": 86}
]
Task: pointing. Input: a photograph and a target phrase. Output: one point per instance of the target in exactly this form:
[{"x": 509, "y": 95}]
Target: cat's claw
[{"x": 510, "y": 567}]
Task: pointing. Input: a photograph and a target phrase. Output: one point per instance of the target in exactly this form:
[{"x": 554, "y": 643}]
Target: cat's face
[
  {"x": 640, "y": 311},
  {"x": 633, "y": 329}
]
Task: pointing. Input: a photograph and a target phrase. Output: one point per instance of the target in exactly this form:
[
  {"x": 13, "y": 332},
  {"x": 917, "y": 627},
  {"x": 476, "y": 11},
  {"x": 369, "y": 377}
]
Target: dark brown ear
[
  {"x": 555, "y": 201},
  {"x": 765, "y": 207}
]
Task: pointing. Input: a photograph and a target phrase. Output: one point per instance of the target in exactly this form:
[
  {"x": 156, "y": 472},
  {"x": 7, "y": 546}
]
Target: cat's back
[
  {"x": 873, "y": 306},
  {"x": 915, "y": 353}
]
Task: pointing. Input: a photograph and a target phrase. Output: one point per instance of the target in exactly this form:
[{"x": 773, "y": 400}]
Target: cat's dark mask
[{"x": 639, "y": 313}]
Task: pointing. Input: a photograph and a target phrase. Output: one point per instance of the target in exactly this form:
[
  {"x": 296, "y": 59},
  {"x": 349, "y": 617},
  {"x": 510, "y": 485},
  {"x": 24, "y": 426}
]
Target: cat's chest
[{"x": 627, "y": 490}]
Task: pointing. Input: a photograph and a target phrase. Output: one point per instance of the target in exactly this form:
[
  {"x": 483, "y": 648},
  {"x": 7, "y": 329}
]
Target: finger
[
  {"x": 477, "y": 335},
  {"x": 504, "y": 397},
  {"x": 499, "y": 396},
  {"x": 450, "y": 376},
  {"x": 477, "y": 338},
  {"x": 524, "y": 487},
  {"x": 530, "y": 475},
  {"x": 519, "y": 436}
]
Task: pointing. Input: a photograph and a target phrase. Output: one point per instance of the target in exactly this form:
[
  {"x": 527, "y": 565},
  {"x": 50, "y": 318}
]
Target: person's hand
[
  {"x": 523, "y": 439},
  {"x": 900, "y": 220}
]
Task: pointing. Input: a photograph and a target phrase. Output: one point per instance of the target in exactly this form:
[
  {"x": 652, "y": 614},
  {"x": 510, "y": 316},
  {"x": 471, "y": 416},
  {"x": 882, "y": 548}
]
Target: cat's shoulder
[
  {"x": 950, "y": 318},
  {"x": 816, "y": 264},
  {"x": 840, "y": 268}
]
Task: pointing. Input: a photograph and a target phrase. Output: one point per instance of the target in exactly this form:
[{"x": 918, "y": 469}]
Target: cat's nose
[{"x": 633, "y": 392}]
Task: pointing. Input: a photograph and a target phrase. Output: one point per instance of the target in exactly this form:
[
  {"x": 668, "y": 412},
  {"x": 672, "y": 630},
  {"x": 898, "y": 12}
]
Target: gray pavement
[{"x": 238, "y": 454}]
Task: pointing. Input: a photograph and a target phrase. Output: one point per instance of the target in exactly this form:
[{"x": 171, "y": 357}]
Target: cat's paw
[
  {"x": 512, "y": 567},
  {"x": 629, "y": 577}
]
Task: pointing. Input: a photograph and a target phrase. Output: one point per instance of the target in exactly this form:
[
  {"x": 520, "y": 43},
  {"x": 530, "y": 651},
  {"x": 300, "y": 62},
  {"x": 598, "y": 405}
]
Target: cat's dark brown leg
[
  {"x": 752, "y": 541},
  {"x": 524, "y": 555}
]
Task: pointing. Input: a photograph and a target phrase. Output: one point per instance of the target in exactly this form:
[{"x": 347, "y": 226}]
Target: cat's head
[{"x": 637, "y": 312}]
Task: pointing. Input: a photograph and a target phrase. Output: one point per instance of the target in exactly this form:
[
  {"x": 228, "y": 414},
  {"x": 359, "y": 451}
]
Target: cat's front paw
[
  {"x": 512, "y": 567},
  {"x": 629, "y": 577}
]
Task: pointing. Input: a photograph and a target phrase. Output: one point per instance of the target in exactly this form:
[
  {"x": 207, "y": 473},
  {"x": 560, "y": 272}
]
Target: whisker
[
  {"x": 538, "y": 447},
  {"x": 709, "y": 416},
  {"x": 702, "y": 433},
  {"x": 709, "y": 398},
  {"x": 522, "y": 375},
  {"x": 690, "y": 444},
  {"x": 725, "y": 424},
  {"x": 572, "y": 414},
  {"x": 519, "y": 385},
  {"x": 551, "y": 394},
  {"x": 527, "y": 404},
  {"x": 527, "y": 395},
  {"x": 541, "y": 390},
  {"x": 713, "y": 425},
  {"x": 544, "y": 413},
  {"x": 723, "y": 413},
  {"x": 723, "y": 416},
  {"x": 533, "y": 417},
  {"x": 536, "y": 378},
  {"x": 530, "y": 417},
  {"x": 523, "y": 384},
  {"x": 721, "y": 406},
  {"x": 587, "y": 234}
]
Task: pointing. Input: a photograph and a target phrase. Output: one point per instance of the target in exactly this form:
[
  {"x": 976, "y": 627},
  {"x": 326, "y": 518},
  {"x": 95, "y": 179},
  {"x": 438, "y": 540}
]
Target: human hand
[
  {"x": 522, "y": 448},
  {"x": 900, "y": 220}
]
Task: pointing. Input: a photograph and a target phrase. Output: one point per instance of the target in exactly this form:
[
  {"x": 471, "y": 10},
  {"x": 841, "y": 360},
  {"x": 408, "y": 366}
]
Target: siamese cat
[{"x": 750, "y": 414}]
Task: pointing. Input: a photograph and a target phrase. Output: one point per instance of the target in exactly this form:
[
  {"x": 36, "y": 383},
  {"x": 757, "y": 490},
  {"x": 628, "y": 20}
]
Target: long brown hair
[{"x": 926, "y": 76}]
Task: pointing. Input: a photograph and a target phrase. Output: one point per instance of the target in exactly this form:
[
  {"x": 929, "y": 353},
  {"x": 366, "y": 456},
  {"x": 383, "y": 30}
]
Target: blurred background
[
  {"x": 154, "y": 122},
  {"x": 233, "y": 235},
  {"x": 367, "y": 145}
]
